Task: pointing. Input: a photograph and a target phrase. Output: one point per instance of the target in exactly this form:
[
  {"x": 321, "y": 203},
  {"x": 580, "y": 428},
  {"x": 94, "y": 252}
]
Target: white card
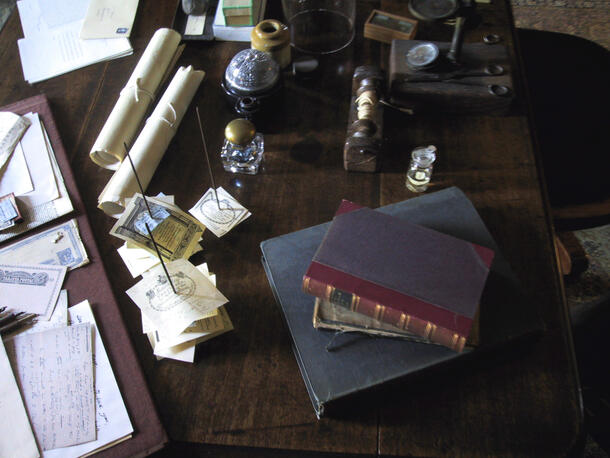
[
  {"x": 31, "y": 288},
  {"x": 221, "y": 215}
]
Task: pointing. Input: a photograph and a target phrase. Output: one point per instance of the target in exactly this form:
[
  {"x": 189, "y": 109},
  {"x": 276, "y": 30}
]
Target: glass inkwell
[
  {"x": 251, "y": 81},
  {"x": 242, "y": 151}
]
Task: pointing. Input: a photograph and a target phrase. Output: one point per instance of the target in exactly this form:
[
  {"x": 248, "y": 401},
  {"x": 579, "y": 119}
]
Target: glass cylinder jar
[{"x": 420, "y": 168}]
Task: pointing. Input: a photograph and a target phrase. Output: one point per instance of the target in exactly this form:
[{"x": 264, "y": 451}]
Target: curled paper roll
[
  {"x": 121, "y": 126},
  {"x": 148, "y": 149}
]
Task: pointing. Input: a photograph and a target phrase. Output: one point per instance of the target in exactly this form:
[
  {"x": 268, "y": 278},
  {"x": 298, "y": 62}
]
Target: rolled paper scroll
[
  {"x": 121, "y": 126},
  {"x": 149, "y": 147}
]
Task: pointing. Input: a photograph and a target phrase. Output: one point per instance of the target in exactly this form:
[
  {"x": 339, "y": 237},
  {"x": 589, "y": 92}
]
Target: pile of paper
[
  {"x": 32, "y": 175},
  {"x": 180, "y": 304},
  {"x": 52, "y": 45},
  {"x": 73, "y": 405}
]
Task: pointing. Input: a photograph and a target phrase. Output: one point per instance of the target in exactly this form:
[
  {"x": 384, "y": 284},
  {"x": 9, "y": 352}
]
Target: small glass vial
[
  {"x": 420, "y": 168},
  {"x": 242, "y": 151}
]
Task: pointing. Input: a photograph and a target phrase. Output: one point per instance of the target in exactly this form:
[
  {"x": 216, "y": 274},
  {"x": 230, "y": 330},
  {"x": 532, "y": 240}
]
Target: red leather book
[{"x": 404, "y": 274}]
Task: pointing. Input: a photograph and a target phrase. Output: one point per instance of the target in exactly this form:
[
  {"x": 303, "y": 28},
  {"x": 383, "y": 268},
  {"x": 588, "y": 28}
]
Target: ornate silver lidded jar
[{"x": 250, "y": 81}]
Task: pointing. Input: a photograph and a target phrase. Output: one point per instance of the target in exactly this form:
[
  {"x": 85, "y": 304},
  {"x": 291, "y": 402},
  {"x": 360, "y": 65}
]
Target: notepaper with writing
[
  {"x": 54, "y": 370},
  {"x": 112, "y": 421}
]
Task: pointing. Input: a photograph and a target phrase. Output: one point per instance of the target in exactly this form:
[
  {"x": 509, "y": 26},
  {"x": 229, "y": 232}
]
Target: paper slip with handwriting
[
  {"x": 176, "y": 233},
  {"x": 59, "y": 245},
  {"x": 16, "y": 438},
  {"x": 109, "y": 19},
  {"x": 171, "y": 313},
  {"x": 112, "y": 420},
  {"x": 31, "y": 288},
  {"x": 55, "y": 373},
  {"x": 219, "y": 216}
]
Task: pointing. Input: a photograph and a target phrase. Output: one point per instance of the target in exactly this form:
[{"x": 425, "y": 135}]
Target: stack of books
[
  {"x": 426, "y": 270},
  {"x": 405, "y": 275}
]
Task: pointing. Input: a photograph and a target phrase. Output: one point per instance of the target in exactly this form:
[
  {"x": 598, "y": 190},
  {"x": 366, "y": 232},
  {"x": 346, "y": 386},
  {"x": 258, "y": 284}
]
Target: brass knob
[{"x": 240, "y": 131}]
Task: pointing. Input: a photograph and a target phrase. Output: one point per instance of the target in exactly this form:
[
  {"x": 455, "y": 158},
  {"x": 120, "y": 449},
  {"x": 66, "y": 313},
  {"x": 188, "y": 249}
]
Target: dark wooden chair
[
  {"x": 568, "y": 84},
  {"x": 568, "y": 81}
]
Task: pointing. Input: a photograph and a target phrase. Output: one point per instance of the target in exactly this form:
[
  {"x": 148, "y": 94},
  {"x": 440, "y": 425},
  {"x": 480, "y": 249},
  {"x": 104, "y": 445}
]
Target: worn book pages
[
  {"x": 148, "y": 149},
  {"x": 140, "y": 90},
  {"x": 58, "y": 245},
  {"x": 55, "y": 373},
  {"x": 176, "y": 233},
  {"x": 17, "y": 438}
]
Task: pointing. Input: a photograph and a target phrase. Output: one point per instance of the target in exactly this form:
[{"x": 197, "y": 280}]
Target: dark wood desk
[{"x": 245, "y": 389}]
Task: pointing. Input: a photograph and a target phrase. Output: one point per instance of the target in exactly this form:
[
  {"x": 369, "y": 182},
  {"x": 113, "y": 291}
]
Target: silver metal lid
[{"x": 251, "y": 71}]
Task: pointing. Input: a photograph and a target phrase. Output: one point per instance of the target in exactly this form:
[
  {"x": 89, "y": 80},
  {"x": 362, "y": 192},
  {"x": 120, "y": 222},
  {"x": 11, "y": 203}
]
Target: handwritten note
[
  {"x": 54, "y": 369},
  {"x": 113, "y": 424}
]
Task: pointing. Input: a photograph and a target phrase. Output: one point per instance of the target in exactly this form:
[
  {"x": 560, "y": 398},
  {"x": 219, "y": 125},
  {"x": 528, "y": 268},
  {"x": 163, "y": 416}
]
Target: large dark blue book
[{"x": 364, "y": 362}]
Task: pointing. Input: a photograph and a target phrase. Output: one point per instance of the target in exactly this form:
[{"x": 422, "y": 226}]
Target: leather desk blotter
[{"x": 91, "y": 282}]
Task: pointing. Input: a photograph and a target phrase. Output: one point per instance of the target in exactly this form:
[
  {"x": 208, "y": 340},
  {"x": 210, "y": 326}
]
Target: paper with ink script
[
  {"x": 219, "y": 216},
  {"x": 109, "y": 19},
  {"x": 31, "y": 288},
  {"x": 55, "y": 373},
  {"x": 59, "y": 245},
  {"x": 17, "y": 438},
  {"x": 112, "y": 420},
  {"x": 169, "y": 312}
]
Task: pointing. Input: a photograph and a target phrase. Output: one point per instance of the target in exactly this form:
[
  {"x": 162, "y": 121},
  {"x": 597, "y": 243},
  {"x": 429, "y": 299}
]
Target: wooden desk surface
[{"x": 245, "y": 389}]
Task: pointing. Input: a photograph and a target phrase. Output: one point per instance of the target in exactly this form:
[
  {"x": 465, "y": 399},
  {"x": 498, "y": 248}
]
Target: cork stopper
[{"x": 240, "y": 131}]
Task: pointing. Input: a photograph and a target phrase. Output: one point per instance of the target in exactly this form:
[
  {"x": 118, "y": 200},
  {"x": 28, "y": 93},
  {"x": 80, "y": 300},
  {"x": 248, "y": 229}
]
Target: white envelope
[{"x": 109, "y": 19}]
